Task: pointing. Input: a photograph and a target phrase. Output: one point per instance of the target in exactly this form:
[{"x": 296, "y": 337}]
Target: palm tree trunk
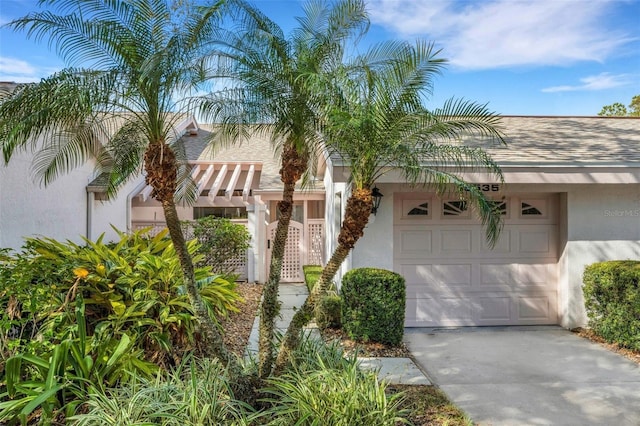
[
  {"x": 161, "y": 168},
  {"x": 213, "y": 345},
  {"x": 270, "y": 307},
  {"x": 293, "y": 165},
  {"x": 356, "y": 218}
]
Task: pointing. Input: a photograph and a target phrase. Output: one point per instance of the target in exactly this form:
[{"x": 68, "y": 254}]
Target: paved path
[{"x": 529, "y": 376}]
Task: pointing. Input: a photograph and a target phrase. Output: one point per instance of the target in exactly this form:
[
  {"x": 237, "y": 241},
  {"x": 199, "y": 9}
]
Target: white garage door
[{"x": 455, "y": 279}]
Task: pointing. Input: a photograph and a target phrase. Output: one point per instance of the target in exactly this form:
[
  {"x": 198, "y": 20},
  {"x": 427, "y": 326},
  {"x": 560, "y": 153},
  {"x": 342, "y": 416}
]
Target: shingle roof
[
  {"x": 569, "y": 141},
  {"x": 258, "y": 148}
]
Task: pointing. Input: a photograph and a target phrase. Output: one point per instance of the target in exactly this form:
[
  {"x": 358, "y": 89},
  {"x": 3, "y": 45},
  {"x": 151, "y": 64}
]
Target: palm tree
[
  {"x": 273, "y": 75},
  {"x": 377, "y": 122},
  {"x": 137, "y": 58}
]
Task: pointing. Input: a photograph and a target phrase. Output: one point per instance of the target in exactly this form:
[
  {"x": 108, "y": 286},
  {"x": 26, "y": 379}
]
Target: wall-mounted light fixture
[{"x": 377, "y": 197}]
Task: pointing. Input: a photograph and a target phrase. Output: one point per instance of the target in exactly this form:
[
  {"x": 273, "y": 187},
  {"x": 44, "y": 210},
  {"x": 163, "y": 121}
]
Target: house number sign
[{"x": 488, "y": 187}]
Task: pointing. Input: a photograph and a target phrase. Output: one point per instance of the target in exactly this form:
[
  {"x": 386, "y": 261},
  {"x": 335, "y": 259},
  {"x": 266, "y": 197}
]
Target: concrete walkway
[
  {"x": 292, "y": 296},
  {"x": 529, "y": 376}
]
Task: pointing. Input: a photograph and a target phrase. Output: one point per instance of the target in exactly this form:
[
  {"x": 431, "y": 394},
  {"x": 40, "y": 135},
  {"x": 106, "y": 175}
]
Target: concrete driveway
[{"x": 529, "y": 376}]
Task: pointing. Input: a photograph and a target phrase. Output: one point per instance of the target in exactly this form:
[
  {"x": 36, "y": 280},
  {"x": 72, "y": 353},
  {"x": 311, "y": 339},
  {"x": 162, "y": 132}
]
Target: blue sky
[{"x": 522, "y": 57}]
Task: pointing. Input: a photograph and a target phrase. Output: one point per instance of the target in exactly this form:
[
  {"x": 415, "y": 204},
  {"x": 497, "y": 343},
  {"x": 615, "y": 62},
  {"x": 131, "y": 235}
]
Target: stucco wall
[
  {"x": 603, "y": 223},
  {"x": 29, "y": 209}
]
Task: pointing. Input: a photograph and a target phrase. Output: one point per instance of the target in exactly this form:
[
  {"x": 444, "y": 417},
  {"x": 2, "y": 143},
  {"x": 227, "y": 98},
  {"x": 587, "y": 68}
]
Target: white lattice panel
[
  {"x": 315, "y": 243},
  {"x": 292, "y": 260}
]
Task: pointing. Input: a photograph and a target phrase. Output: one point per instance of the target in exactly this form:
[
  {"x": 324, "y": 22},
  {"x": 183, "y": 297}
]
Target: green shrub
[
  {"x": 373, "y": 305},
  {"x": 311, "y": 275},
  {"x": 612, "y": 300},
  {"x": 328, "y": 312},
  {"x": 221, "y": 242}
]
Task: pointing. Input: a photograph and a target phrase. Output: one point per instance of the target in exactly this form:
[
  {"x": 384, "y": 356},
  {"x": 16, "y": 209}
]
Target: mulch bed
[
  {"x": 613, "y": 347},
  {"x": 237, "y": 328}
]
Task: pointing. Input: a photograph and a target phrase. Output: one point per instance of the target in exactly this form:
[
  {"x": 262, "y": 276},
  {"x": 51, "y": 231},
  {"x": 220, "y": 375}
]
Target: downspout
[
  {"x": 132, "y": 194},
  {"x": 91, "y": 196}
]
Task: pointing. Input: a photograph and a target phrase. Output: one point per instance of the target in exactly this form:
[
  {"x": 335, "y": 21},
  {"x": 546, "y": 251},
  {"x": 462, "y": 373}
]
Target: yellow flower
[
  {"x": 80, "y": 272},
  {"x": 100, "y": 269}
]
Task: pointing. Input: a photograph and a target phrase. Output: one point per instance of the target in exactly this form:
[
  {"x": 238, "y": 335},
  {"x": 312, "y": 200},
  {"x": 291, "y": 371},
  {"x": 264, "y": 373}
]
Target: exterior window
[
  {"x": 529, "y": 210},
  {"x": 455, "y": 208},
  {"x": 421, "y": 210},
  {"x": 226, "y": 212}
]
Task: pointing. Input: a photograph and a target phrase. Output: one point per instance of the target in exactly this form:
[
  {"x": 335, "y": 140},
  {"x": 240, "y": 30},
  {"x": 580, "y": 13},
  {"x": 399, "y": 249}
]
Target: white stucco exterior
[
  {"x": 591, "y": 165},
  {"x": 30, "y": 209}
]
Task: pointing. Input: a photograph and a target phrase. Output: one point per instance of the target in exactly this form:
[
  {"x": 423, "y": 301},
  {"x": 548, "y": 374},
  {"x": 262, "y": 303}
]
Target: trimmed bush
[
  {"x": 327, "y": 312},
  {"x": 311, "y": 275},
  {"x": 612, "y": 300},
  {"x": 373, "y": 305}
]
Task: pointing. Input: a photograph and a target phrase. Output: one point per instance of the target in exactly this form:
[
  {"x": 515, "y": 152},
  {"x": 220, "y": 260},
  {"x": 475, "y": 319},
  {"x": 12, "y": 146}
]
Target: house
[{"x": 571, "y": 197}]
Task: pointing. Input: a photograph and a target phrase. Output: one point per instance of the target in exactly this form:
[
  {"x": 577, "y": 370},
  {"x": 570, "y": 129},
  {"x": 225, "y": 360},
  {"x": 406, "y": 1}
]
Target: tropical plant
[
  {"x": 274, "y": 74},
  {"x": 327, "y": 395},
  {"x": 60, "y": 379},
  {"x": 115, "y": 105},
  {"x": 377, "y": 121}
]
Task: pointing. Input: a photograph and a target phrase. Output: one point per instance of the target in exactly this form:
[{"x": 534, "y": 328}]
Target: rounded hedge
[
  {"x": 373, "y": 305},
  {"x": 612, "y": 301}
]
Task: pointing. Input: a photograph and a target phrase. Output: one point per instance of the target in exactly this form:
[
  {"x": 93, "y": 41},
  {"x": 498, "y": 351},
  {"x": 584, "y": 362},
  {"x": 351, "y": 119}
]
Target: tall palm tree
[
  {"x": 273, "y": 75},
  {"x": 378, "y": 122},
  {"x": 137, "y": 57}
]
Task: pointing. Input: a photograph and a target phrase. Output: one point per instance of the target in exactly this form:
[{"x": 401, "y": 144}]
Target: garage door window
[
  {"x": 455, "y": 208},
  {"x": 421, "y": 210},
  {"x": 533, "y": 208},
  {"x": 501, "y": 206}
]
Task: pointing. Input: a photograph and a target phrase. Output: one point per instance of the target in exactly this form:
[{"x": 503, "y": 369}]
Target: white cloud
[
  {"x": 601, "y": 81},
  {"x": 12, "y": 69},
  {"x": 20, "y": 71},
  {"x": 501, "y": 33}
]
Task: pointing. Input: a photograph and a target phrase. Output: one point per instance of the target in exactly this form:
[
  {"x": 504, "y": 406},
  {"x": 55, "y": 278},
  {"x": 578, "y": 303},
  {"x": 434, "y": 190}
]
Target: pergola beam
[
  {"x": 247, "y": 184},
  {"x": 213, "y": 191},
  {"x": 228, "y": 193}
]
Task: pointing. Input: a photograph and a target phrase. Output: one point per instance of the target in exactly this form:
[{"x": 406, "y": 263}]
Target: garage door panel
[
  {"x": 494, "y": 308},
  {"x": 456, "y": 241},
  {"x": 503, "y": 246},
  {"x": 538, "y": 309},
  {"x": 537, "y": 241},
  {"x": 418, "y": 274},
  {"x": 497, "y": 274},
  {"x": 414, "y": 242},
  {"x": 455, "y": 279},
  {"x": 448, "y": 311},
  {"x": 532, "y": 275},
  {"x": 438, "y": 275}
]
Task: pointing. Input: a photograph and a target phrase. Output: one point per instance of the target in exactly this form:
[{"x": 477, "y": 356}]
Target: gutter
[{"x": 90, "y": 200}]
